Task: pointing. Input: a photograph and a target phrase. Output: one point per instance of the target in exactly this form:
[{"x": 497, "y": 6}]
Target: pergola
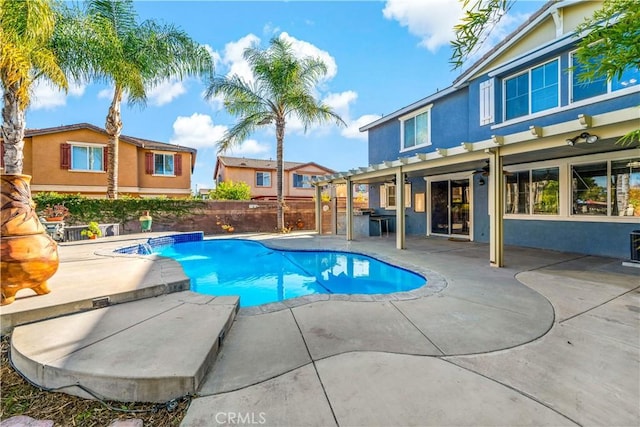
[{"x": 536, "y": 143}]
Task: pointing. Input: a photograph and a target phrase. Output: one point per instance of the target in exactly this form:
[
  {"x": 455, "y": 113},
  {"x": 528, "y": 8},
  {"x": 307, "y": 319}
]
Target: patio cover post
[
  {"x": 318, "y": 209},
  {"x": 496, "y": 204},
  {"x": 334, "y": 209},
  {"x": 349, "y": 216},
  {"x": 400, "y": 210}
]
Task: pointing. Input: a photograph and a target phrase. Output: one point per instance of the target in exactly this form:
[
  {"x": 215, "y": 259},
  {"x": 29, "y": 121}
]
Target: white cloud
[
  {"x": 250, "y": 147},
  {"x": 302, "y": 49},
  {"x": 106, "y": 93},
  {"x": 432, "y": 21},
  {"x": 45, "y": 96},
  {"x": 233, "y": 56},
  {"x": 352, "y": 130},
  {"x": 165, "y": 92},
  {"x": 340, "y": 102},
  {"x": 270, "y": 30},
  {"x": 197, "y": 131}
]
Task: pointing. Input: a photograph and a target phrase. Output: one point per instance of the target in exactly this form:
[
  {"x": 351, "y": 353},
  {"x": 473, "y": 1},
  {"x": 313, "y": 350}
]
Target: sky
[{"x": 381, "y": 56}]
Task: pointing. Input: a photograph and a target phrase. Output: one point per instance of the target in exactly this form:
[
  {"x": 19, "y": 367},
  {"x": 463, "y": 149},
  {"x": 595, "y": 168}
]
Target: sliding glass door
[{"x": 450, "y": 213}]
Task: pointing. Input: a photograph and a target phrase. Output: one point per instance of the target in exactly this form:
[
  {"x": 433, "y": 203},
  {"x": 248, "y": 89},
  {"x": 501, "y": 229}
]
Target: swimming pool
[{"x": 261, "y": 275}]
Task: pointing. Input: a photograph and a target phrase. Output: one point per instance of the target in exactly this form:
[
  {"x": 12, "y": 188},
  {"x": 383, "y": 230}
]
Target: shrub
[{"x": 229, "y": 190}]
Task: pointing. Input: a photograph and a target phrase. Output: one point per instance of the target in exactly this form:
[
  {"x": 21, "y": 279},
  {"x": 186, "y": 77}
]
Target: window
[
  {"x": 596, "y": 191},
  {"x": 416, "y": 129},
  {"x": 388, "y": 196},
  {"x": 536, "y": 191},
  {"x": 163, "y": 164},
  {"x": 87, "y": 158},
  {"x": 600, "y": 85},
  {"x": 537, "y": 89},
  {"x": 263, "y": 179},
  {"x": 517, "y": 197},
  {"x": 302, "y": 181}
]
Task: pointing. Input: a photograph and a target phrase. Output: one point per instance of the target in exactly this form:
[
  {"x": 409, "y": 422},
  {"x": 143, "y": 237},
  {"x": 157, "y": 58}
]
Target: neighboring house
[
  {"x": 260, "y": 175},
  {"x": 73, "y": 159},
  {"x": 567, "y": 184}
]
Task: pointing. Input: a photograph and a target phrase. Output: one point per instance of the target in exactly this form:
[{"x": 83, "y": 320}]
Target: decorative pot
[
  {"x": 54, "y": 218},
  {"x": 300, "y": 224},
  {"x": 28, "y": 255}
]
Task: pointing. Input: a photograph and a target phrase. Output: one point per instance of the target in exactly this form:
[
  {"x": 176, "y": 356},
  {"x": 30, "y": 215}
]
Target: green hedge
[{"x": 82, "y": 210}]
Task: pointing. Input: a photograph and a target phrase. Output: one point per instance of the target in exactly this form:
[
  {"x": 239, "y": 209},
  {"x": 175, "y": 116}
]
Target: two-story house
[
  {"x": 517, "y": 150},
  {"x": 260, "y": 175},
  {"x": 73, "y": 159}
]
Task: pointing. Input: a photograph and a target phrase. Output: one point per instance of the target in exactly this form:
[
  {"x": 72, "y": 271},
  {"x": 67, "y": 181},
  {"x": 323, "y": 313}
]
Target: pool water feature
[{"x": 261, "y": 275}]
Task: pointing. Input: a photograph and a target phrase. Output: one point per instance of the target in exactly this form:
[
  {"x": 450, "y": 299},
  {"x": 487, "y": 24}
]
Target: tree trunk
[
  {"x": 13, "y": 125},
  {"x": 114, "y": 128},
  {"x": 280, "y": 124}
]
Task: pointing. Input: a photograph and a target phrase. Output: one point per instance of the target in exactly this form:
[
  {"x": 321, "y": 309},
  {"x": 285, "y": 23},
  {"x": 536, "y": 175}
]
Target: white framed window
[
  {"x": 302, "y": 181},
  {"x": 487, "y": 107},
  {"x": 415, "y": 129},
  {"x": 163, "y": 164},
  {"x": 536, "y": 89},
  {"x": 388, "y": 196},
  {"x": 533, "y": 192},
  {"x": 606, "y": 188},
  {"x": 600, "y": 85},
  {"x": 87, "y": 157},
  {"x": 263, "y": 179}
]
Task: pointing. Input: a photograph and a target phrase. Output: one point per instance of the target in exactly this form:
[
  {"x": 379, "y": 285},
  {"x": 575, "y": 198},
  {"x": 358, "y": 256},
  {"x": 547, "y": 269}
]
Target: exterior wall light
[{"x": 584, "y": 136}]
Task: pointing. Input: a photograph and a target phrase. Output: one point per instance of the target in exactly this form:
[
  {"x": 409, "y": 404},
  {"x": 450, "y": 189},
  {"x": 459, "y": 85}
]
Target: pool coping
[{"x": 435, "y": 282}]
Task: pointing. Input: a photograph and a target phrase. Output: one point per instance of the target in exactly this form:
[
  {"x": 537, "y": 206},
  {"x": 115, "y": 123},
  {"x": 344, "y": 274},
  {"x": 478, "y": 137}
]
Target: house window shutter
[
  {"x": 65, "y": 156},
  {"x": 105, "y": 158},
  {"x": 486, "y": 102},
  {"x": 148, "y": 163},
  {"x": 383, "y": 196},
  {"x": 407, "y": 195},
  {"x": 177, "y": 164}
]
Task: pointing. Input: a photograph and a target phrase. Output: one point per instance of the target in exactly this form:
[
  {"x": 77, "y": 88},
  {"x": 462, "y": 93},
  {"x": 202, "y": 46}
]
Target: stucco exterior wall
[
  {"x": 42, "y": 162},
  {"x": 46, "y": 160},
  {"x": 157, "y": 184},
  {"x": 248, "y": 175}
]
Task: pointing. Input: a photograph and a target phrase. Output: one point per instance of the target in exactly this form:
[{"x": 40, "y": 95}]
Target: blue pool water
[{"x": 260, "y": 275}]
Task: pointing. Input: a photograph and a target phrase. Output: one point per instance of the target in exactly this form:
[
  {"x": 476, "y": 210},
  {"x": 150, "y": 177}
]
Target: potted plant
[
  {"x": 145, "y": 221},
  {"x": 55, "y": 213},
  {"x": 92, "y": 231}
]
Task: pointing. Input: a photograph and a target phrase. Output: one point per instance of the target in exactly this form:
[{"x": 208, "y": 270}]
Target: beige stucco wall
[
  {"x": 306, "y": 170},
  {"x": 171, "y": 183},
  {"x": 42, "y": 161},
  {"x": 46, "y": 160},
  {"x": 575, "y": 14},
  {"x": 249, "y": 176},
  {"x": 545, "y": 32}
]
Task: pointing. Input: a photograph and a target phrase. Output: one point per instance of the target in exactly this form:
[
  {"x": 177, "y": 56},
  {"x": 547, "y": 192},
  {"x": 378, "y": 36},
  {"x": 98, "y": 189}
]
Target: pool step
[{"x": 151, "y": 350}]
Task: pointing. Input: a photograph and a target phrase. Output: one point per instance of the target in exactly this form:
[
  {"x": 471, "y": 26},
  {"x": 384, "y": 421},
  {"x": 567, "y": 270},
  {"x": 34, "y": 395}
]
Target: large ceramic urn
[{"x": 28, "y": 255}]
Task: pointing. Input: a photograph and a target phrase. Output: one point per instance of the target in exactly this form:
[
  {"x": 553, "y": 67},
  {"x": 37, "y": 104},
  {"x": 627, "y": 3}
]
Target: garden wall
[{"x": 243, "y": 216}]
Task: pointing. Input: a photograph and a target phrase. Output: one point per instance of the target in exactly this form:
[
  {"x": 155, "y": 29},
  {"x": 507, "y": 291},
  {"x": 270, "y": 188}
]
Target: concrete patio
[{"x": 551, "y": 339}]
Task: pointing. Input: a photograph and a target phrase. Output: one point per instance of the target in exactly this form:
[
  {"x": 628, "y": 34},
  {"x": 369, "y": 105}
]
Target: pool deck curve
[{"x": 551, "y": 339}]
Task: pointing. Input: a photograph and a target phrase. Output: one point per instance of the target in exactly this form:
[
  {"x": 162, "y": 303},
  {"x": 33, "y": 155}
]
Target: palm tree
[
  {"x": 26, "y": 31},
  {"x": 283, "y": 87},
  {"x": 134, "y": 57}
]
